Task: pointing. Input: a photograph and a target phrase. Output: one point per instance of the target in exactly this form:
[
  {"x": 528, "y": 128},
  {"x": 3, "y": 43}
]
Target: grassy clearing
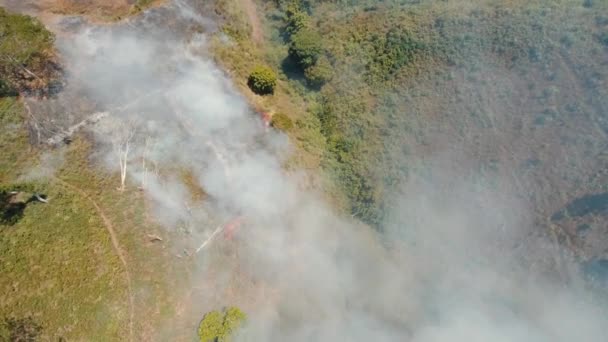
[
  {"x": 59, "y": 266},
  {"x": 58, "y": 257},
  {"x": 15, "y": 151}
]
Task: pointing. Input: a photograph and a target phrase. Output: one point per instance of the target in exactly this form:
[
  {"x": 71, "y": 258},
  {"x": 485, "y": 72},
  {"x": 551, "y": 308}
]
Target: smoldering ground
[{"x": 448, "y": 267}]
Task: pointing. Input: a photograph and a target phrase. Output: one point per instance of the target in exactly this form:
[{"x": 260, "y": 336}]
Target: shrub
[
  {"x": 297, "y": 19},
  {"x": 233, "y": 319},
  {"x": 318, "y": 74},
  {"x": 262, "y": 80},
  {"x": 6, "y": 89},
  {"x": 282, "y": 122},
  {"x": 219, "y": 326},
  {"x": 211, "y": 326},
  {"x": 305, "y": 47}
]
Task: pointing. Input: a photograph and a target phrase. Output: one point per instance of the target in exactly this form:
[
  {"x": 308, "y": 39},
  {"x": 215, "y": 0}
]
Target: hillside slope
[
  {"x": 438, "y": 172},
  {"x": 507, "y": 95}
]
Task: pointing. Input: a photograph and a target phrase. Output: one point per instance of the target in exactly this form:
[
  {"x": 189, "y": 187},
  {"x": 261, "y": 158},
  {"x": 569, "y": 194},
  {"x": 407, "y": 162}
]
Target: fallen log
[
  {"x": 68, "y": 133},
  {"x": 209, "y": 239}
]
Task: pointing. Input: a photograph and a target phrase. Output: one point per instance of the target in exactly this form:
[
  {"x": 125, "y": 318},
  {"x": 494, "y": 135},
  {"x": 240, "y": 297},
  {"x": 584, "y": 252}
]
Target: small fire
[
  {"x": 266, "y": 118},
  {"x": 232, "y": 228}
]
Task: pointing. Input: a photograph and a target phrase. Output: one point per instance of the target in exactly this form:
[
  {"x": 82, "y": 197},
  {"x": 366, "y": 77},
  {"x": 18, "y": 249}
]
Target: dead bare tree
[
  {"x": 144, "y": 169},
  {"x": 119, "y": 134},
  {"x": 149, "y": 144},
  {"x": 122, "y": 147}
]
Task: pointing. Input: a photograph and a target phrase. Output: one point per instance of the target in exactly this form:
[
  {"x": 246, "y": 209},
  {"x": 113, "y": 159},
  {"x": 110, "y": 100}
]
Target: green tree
[
  {"x": 319, "y": 73},
  {"x": 6, "y": 89},
  {"x": 233, "y": 319},
  {"x": 306, "y": 47},
  {"x": 262, "y": 80},
  {"x": 297, "y": 19},
  {"x": 219, "y": 326}
]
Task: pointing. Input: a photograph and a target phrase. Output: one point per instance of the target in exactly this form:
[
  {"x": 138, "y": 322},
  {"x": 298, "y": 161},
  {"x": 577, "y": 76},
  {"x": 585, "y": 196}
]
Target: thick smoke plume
[{"x": 451, "y": 266}]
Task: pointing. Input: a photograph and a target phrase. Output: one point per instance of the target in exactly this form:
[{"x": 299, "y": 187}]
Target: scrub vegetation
[{"x": 343, "y": 64}]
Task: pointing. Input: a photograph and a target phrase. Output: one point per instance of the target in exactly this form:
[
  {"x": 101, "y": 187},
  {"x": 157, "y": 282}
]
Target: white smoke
[{"x": 48, "y": 164}]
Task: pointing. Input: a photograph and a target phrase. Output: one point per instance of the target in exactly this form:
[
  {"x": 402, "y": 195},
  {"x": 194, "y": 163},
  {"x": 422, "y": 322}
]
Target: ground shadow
[
  {"x": 588, "y": 204},
  {"x": 13, "y": 204},
  {"x": 292, "y": 69}
]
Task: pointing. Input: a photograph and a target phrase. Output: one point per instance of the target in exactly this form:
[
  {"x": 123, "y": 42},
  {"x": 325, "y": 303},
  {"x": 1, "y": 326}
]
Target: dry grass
[{"x": 102, "y": 10}]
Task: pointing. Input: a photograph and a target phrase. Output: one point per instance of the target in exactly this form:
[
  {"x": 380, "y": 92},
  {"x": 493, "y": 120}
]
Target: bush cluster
[
  {"x": 281, "y": 121},
  {"x": 305, "y": 47},
  {"x": 297, "y": 19},
  {"x": 319, "y": 73},
  {"x": 262, "y": 80}
]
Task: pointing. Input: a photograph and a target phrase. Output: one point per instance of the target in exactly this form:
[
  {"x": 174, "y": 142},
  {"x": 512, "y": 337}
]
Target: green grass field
[{"x": 59, "y": 267}]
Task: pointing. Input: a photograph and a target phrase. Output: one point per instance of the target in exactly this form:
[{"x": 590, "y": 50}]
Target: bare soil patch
[{"x": 254, "y": 20}]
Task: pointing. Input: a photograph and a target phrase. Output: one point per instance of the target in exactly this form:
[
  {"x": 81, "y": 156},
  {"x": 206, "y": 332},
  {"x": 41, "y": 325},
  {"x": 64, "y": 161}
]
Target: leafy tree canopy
[
  {"x": 306, "y": 47},
  {"x": 262, "y": 80},
  {"x": 319, "y": 73},
  {"x": 218, "y": 326},
  {"x": 297, "y": 19}
]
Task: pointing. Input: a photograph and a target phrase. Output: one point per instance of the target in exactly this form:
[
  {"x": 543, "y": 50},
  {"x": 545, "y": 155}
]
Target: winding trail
[
  {"x": 116, "y": 245},
  {"x": 254, "y": 20}
]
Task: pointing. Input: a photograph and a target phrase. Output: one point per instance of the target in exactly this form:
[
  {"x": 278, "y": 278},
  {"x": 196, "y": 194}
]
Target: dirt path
[
  {"x": 110, "y": 228},
  {"x": 254, "y": 20}
]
